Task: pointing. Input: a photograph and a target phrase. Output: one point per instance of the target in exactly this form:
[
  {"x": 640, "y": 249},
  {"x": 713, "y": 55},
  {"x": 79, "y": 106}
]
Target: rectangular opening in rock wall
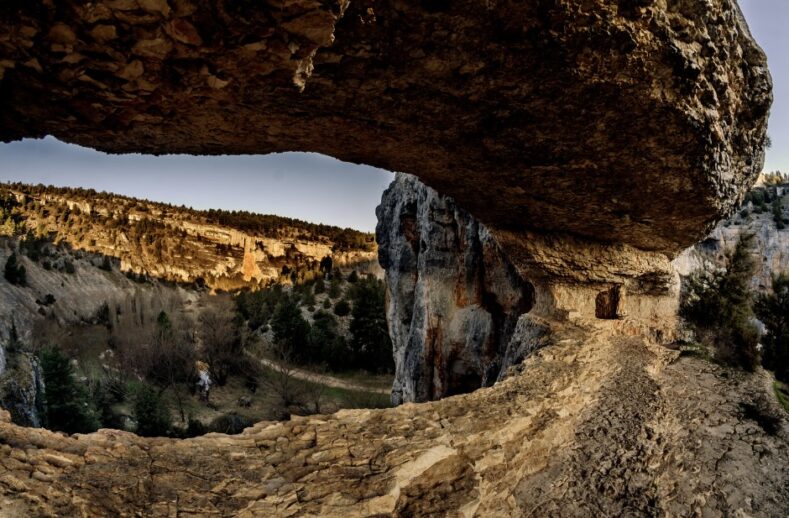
[{"x": 607, "y": 303}]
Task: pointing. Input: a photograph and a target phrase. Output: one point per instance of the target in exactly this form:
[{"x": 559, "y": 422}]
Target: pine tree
[
  {"x": 68, "y": 405},
  {"x": 773, "y": 310},
  {"x": 291, "y": 330},
  {"x": 371, "y": 344},
  {"x": 720, "y": 305}
]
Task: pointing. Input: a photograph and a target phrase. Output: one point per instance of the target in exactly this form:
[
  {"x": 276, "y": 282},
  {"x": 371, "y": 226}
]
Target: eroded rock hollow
[
  {"x": 634, "y": 123},
  {"x": 594, "y": 139}
]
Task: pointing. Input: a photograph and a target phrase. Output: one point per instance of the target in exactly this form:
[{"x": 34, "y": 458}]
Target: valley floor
[{"x": 597, "y": 424}]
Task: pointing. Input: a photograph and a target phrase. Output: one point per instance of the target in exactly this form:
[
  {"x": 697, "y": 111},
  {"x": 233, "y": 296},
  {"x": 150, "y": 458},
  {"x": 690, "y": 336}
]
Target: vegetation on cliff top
[{"x": 266, "y": 225}]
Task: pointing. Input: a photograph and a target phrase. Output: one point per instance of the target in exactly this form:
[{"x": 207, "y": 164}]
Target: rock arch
[{"x": 595, "y": 139}]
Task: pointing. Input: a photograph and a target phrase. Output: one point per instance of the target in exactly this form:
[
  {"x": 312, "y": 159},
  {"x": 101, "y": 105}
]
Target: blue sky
[{"x": 305, "y": 185}]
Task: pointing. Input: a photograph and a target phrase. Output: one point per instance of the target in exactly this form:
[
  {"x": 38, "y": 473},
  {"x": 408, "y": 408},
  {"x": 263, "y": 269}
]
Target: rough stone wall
[
  {"x": 453, "y": 297},
  {"x": 22, "y": 389},
  {"x": 620, "y": 122},
  {"x": 770, "y": 248}
]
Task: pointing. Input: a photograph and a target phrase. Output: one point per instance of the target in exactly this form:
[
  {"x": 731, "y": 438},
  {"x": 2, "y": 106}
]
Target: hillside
[{"x": 220, "y": 249}]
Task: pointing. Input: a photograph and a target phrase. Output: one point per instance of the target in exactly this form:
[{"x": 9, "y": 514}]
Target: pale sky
[
  {"x": 306, "y": 185},
  {"x": 769, "y": 23}
]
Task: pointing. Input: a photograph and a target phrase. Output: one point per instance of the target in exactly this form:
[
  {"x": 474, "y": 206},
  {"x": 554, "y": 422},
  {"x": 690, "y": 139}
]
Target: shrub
[
  {"x": 150, "y": 412},
  {"x": 230, "y": 423},
  {"x": 69, "y": 267},
  {"x": 719, "y": 305},
  {"x": 773, "y": 310},
  {"x": 342, "y": 308},
  {"x": 353, "y": 277},
  {"x": 334, "y": 287},
  {"x": 14, "y": 272}
]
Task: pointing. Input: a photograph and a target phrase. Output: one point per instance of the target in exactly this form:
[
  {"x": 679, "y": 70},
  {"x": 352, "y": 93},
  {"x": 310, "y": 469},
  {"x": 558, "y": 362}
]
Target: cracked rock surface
[
  {"x": 453, "y": 297},
  {"x": 597, "y": 424}
]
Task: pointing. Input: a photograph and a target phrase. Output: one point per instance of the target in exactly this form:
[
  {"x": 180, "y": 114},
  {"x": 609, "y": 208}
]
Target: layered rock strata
[
  {"x": 634, "y": 123},
  {"x": 178, "y": 245}
]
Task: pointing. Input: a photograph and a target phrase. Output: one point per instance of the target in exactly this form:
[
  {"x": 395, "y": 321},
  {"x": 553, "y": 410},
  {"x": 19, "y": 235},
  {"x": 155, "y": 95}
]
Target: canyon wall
[
  {"x": 770, "y": 246},
  {"x": 182, "y": 246}
]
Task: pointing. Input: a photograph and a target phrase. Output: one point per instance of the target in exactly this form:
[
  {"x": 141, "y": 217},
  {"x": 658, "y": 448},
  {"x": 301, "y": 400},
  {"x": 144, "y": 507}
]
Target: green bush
[
  {"x": 151, "y": 412},
  {"x": 778, "y": 214},
  {"x": 230, "y": 423},
  {"x": 773, "y": 310},
  {"x": 719, "y": 305},
  {"x": 342, "y": 308},
  {"x": 335, "y": 287}
]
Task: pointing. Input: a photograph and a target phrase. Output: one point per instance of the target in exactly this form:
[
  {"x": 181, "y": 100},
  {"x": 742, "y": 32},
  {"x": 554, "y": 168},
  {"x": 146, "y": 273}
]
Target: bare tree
[
  {"x": 221, "y": 339},
  {"x": 279, "y": 379},
  {"x": 154, "y": 339}
]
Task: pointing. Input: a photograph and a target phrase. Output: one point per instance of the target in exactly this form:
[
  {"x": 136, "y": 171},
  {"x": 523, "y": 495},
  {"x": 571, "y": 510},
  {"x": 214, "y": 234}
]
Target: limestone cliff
[
  {"x": 770, "y": 246},
  {"x": 178, "y": 244},
  {"x": 454, "y": 298}
]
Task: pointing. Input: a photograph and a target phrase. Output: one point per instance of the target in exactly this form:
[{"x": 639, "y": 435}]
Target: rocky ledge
[
  {"x": 597, "y": 424},
  {"x": 636, "y": 123}
]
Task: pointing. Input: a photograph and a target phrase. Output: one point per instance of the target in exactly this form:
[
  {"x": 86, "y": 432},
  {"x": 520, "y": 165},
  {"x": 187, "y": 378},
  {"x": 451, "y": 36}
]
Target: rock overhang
[{"x": 637, "y": 124}]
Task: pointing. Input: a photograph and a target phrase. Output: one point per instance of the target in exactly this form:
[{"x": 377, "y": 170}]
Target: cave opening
[
  {"x": 129, "y": 258},
  {"x": 608, "y": 303}
]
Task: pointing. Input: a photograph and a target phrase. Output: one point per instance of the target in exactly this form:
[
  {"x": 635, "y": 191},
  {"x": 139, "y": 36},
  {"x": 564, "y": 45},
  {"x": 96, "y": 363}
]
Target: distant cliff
[
  {"x": 221, "y": 249},
  {"x": 762, "y": 219}
]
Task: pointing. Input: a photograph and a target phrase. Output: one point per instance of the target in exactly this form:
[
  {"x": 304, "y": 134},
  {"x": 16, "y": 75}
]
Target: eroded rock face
[
  {"x": 597, "y": 424},
  {"x": 453, "y": 296},
  {"x": 770, "y": 247},
  {"x": 636, "y": 123}
]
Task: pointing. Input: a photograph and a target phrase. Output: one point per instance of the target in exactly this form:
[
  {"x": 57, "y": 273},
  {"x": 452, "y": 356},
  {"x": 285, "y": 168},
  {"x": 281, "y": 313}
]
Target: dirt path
[{"x": 322, "y": 379}]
